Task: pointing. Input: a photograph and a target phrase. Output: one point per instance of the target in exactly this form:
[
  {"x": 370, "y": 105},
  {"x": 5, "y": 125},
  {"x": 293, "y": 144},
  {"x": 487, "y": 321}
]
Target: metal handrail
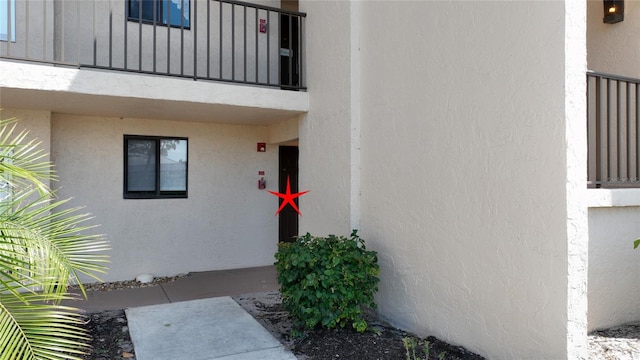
[
  {"x": 102, "y": 35},
  {"x": 613, "y": 130}
]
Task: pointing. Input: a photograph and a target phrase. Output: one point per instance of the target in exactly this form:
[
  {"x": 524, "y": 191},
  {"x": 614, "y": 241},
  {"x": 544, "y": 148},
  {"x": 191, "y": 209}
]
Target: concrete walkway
[
  {"x": 194, "y": 317},
  {"x": 198, "y": 285}
]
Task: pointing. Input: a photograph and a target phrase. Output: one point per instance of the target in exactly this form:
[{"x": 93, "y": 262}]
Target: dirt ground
[{"x": 384, "y": 342}]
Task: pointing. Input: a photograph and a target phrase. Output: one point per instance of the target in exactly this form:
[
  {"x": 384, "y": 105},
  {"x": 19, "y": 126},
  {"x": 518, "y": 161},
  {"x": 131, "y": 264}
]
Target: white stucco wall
[
  {"x": 38, "y": 125},
  {"x": 465, "y": 186},
  {"x": 325, "y": 130},
  {"x": 614, "y": 214},
  {"x": 225, "y": 223},
  {"x": 36, "y": 122},
  {"x": 614, "y": 48},
  {"x": 614, "y": 267},
  {"x": 284, "y": 131}
]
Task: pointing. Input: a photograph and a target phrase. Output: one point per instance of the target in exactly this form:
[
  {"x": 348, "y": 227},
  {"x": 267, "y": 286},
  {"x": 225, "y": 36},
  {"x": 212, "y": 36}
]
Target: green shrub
[{"x": 327, "y": 281}]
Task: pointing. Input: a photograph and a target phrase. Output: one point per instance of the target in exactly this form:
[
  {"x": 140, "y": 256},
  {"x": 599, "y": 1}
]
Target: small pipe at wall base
[{"x": 144, "y": 278}]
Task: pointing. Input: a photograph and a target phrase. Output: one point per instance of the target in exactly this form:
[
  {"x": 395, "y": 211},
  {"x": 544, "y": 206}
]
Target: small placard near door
[{"x": 285, "y": 52}]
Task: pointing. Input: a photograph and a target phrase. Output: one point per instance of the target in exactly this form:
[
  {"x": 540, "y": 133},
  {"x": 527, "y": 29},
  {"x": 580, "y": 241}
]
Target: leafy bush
[{"x": 327, "y": 281}]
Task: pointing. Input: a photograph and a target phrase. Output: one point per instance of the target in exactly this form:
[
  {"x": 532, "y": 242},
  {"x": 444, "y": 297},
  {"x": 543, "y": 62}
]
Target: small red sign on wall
[
  {"x": 263, "y": 25},
  {"x": 262, "y": 147}
]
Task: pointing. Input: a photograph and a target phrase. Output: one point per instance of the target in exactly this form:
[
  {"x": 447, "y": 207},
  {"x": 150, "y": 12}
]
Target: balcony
[
  {"x": 224, "y": 40},
  {"x": 200, "y": 60},
  {"x": 613, "y": 129}
]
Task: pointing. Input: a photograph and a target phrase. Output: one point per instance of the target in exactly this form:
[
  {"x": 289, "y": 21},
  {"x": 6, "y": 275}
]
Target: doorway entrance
[{"x": 288, "y": 217}]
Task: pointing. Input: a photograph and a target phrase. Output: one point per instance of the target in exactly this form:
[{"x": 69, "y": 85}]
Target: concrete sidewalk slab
[{"x": 205, "y": 329}]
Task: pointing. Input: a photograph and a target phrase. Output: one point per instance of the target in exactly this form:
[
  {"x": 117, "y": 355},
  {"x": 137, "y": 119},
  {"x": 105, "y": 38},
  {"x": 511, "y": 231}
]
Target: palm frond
[
  {"x": 22, "y": 162},
  {"x": 44, "y": 247},
  {"x": 40, "y": 330},
  {"x": 48, "y": 245}
]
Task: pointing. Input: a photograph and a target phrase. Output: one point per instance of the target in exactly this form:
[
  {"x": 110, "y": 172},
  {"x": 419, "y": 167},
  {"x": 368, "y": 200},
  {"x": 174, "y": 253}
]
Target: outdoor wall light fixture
[{"x": 613, "y": 11}]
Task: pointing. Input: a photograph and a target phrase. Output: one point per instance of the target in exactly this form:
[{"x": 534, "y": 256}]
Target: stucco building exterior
[{"x": 452, "y": 134}]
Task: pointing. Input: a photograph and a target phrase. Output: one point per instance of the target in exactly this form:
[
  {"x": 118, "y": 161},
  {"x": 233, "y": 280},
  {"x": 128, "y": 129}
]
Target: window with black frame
[
  {"x": 155, "y": 167},
  {"x": 164, "y": 12}
]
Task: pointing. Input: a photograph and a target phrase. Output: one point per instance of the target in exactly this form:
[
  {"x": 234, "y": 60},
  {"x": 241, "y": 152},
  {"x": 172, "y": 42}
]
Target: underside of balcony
[{"x": 94, "y": 92}]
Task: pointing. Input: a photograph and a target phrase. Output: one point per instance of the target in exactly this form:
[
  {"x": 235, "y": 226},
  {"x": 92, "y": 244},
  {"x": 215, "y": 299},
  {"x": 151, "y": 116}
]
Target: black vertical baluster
[
  {"x": 181, "y": 36},
  {"x": 95, "y": 45},
  {"x": 290, "y": 46},
  {"x": 155, "y": 27},
  {"x": 597, "y": 135},
  {"x": 78, "y": 34},
  {"x": 608, "y": 121},
  {"x": 168, "y": 38},
  {"x": 111, "y": 37},
  {"x": 257, "y": 22},
  {"x": 208, "y": 39},
  {"x": 269, "y": 47},
  {"x": 628, "y": 131},
  {"x": 140, "y": 37},
  {"x": 220, "y": 48},
  {"x": 618, "y": 131},
  {"x": 244, "y": 22},
  {"x": 44, "y": 30},
  {"x": 233, "y": 42},
  {"x": 194, "y": 29},
  {"x": 637, "y": 132}
]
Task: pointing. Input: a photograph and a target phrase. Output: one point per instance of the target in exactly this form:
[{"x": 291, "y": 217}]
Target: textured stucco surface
[
  {"x": 614, "y": 48},
  {"x": 37, "y": 123},
  {"x": 575, "y": 64},
  {"x": 614, "y": 267},
  {"x": 325, "y": 131},
  {"x": 284, "y": 131},
  {"x": 463, "y": 122},
  {"x": 225, "y": 223}
]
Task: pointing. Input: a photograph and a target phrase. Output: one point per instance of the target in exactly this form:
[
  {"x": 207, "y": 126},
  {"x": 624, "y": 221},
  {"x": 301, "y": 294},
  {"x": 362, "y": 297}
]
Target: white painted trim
[{"x": 613, "y": 197}]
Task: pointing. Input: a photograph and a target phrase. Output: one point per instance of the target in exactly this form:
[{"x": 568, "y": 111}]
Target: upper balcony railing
[
  {"x": 613, "y": 129},
  {"x": 221, "y": 40}
]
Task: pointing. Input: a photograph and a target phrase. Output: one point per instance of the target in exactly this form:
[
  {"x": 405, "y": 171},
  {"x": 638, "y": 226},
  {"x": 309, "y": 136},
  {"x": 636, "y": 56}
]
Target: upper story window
[
  {"x": 166, "y": 12},
  {"x": 155, "y": 167},
  {"x": 7, "y": 20}
]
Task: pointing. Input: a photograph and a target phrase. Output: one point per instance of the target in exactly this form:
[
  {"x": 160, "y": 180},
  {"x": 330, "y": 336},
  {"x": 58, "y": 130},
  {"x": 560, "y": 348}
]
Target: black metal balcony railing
[
  {"x": 613, "y": 129},
  {"x": 221, "y": 40}
]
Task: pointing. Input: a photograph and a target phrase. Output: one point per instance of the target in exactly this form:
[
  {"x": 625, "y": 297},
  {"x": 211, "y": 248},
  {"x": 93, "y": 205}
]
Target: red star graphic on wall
[{"x": 288, "y": 197}]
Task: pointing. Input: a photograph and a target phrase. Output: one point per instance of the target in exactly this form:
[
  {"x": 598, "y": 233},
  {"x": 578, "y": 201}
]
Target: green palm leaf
[
  {"x": 38, "y": 330},
  {"x": 44, "y": 248}
]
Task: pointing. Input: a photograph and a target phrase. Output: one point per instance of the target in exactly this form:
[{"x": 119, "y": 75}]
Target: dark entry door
[
  {"x": 288, "y": 217},
  {"x": 289, "y": 51}
]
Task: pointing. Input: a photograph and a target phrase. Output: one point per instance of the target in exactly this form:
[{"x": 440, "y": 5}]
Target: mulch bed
[{"x": 111, "y": 340}]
